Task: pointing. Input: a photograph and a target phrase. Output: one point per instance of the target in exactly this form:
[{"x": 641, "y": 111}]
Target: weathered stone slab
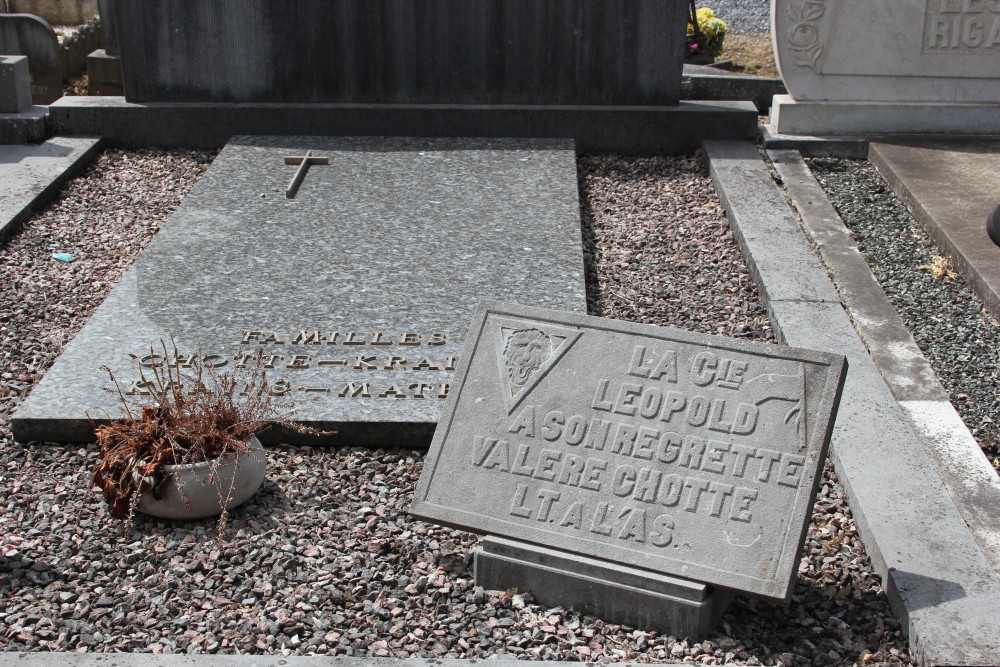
[
  {"x": 685, "y": 454},
  {"x": 567, "y": 52},
  {"x": 27, "y": 35},
  {"x": 32, "y": 176},
  {"x": 362, "y": 287}
]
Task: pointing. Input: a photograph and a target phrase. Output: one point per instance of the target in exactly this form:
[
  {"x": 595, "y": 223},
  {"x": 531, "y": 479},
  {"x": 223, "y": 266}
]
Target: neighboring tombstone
[
  {"x": 110, "y": 26},
  {"x": 104, "y": 74},
  {"x": 15, "y": 84},
  {"x": 26, "y": 35},
  {"x": 635, "y": 472},
  {"x": 104, "y": 67},
  {"x": 510, "y": 52},
  {"x": 359, "y": 290},
  {"x": 899, "y": 66}
]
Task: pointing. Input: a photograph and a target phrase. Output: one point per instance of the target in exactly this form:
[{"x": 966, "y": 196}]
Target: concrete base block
[
  {"x": 104, "y": 74},
  {"x": 789, "y": 116},
  {"x": 15, "y": 84},
  {"x": 26, "y": 127},
  {"x": 612, "y": 592},
  {"x": 595, "y": 129}
]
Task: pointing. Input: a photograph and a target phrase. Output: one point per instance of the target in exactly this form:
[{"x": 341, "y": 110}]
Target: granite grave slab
[
  {"x": 359, "y": 291},
  {"x": 683, "y": 454}
]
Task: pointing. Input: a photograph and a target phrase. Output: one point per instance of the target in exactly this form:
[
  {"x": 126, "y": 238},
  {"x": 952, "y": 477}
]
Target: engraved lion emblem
[{"x": 524, "y": 353}]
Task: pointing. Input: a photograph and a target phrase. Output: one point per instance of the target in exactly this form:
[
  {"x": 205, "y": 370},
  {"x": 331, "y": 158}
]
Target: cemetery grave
[
  {"x": 326, "y": 558},
  {"x": 311, "y": 519}
]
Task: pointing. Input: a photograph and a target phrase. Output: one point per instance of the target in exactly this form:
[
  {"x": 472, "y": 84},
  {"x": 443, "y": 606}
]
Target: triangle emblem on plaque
[{"x": 526, "y": 352}]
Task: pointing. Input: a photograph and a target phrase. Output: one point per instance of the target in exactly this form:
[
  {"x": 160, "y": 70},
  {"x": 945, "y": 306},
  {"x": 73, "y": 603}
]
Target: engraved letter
[
  {"x": 663, "y": 531},
  {"x": 524, "y": 422},
  {"x": 517, "y": 507},
  {"x": 600, "y": 400}
]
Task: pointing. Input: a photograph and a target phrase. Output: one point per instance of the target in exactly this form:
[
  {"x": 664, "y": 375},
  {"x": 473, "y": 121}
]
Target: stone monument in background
[{"x": 887, "y": 66}]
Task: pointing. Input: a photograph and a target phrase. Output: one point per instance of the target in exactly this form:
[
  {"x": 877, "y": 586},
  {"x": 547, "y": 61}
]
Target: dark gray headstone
[
  {"x": 109, "y": 25},
  {"x": 15, "y": 84},
  {"x": 27, "y": 35},
  {"x": 580, "y": 52},
  {"x": 685, "y": 454},
  {"x": 362, "y": 286}
]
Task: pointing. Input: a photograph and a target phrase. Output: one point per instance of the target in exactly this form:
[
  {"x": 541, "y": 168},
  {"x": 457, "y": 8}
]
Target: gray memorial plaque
[
  {"x": 359, "y": 291},
  {"x": 685, "y": 454}
]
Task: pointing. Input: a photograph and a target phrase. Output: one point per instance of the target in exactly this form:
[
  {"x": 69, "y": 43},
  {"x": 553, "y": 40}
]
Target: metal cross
[{"x": 303, "y": 161}]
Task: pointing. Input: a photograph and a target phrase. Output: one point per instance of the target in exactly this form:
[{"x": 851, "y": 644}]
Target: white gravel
[
  {"x": 325, "y": 558},
  {"x": 742, "y": 16}
]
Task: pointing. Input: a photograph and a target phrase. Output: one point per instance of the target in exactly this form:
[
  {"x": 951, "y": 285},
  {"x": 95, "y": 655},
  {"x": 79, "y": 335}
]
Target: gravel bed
[
  {"x": 325, "y": 558},
  {"x": 742, "y": 16},
  {"x": 948, "y": 321}
]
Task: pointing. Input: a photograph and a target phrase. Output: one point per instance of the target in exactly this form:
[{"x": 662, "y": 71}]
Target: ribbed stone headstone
[
  {"x": 359, "y": 291},
  {"x": 619, "y": 52},
  {"x": 685, "y": 454}
]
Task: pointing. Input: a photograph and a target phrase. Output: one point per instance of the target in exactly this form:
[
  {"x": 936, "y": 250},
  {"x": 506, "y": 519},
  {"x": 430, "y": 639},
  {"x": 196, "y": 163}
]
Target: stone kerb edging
[
  {"x": 936, "y": 576},
  {"x": 956, "y": 455}
]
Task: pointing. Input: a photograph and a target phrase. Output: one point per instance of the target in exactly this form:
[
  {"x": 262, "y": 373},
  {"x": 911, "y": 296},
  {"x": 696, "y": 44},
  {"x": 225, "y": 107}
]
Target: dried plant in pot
[{"x": 188, "y": 449}]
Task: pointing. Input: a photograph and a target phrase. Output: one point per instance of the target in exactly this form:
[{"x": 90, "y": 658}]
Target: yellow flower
[{"x": 709, "y": 25}]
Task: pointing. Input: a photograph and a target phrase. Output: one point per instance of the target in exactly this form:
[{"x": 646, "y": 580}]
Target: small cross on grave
[{"x": 303, "y": 161}]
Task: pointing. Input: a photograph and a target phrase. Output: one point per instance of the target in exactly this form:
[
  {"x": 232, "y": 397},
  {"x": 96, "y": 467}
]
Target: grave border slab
[
  {"x": 595, "y": 129},
  {"x": 936, "y": 576}
]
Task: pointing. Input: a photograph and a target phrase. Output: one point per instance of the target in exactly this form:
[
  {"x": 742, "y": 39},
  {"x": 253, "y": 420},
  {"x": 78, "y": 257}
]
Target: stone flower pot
[{"x": 199, "y": 490}]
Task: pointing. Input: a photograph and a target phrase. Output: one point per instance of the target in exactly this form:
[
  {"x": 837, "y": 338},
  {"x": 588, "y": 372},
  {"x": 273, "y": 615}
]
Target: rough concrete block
[
  {"x": 26, "y": 127},
  {"x": 104, "y": 74}
]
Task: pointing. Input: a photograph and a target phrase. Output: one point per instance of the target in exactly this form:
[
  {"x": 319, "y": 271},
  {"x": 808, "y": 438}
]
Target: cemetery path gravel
[
  {"x": 325, "y": 559},
  {"x": 742, "y": 16},
  {"x": 948, "y": 321}
]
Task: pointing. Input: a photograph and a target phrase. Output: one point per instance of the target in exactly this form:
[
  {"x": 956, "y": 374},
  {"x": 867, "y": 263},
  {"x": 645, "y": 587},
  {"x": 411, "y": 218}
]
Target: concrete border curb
[
  {"x": 42, "y": 170},
  {"x": 936, "y": 577},
  {"x": 959, "y": 461}
]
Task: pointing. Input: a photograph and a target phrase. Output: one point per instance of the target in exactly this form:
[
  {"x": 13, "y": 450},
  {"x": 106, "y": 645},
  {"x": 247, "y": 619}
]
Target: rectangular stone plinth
[
  {"x": 789, "y": 116},
  {"x": 359, "y": 290},
  {"x": 613, "y": 593},
  {"x": 683, "y": 454},
  {"x": 640, "y": 130}
]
